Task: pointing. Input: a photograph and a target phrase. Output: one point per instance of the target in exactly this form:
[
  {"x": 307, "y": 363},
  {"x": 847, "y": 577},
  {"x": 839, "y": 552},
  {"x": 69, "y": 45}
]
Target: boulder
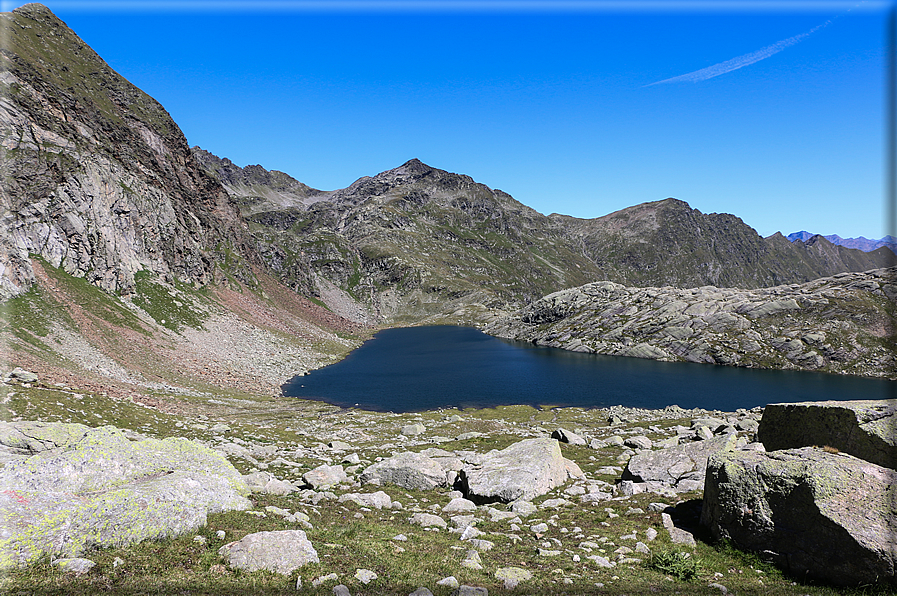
[
  {"x": 681, "y": 467},
  {"x": 324, "y": 476},
  {"x": 281, "y": 552},
  {"x": 820, "y": 515},
  {"x": 566, "y": 436},
  {"x": 411, "y": 430},
  {"x": 104, "y": 490},
  {"x": 866, "y": 429},
  {"x": 377, "y": 500},
  {"x": 524, "y": 470},
  {"x": 409, "y": 470},
  {"x": 22, "y": 375}
]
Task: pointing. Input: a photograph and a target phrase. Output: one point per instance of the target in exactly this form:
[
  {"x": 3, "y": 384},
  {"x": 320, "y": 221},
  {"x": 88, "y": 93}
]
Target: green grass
[{"x": 171, "y": 307}]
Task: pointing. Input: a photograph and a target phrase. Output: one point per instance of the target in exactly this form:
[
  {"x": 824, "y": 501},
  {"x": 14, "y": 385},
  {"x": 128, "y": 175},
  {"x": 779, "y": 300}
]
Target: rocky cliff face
[
  {"x": 98, "y": 179},
  {"x": 842, "y": 324}
]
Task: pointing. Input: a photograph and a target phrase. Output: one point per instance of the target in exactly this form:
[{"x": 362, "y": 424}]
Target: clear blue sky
[{"x": 554, "y": 103}]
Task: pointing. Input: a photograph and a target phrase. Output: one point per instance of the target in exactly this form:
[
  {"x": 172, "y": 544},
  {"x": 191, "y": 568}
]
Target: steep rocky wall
[{"x": 98, "y": 179}]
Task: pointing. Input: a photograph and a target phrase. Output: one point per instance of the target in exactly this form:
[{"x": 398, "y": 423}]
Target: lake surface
[{"x": 423, "y": 368}]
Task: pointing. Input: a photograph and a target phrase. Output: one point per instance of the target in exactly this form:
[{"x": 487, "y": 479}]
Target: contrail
[{"x": 741, "y": 61}]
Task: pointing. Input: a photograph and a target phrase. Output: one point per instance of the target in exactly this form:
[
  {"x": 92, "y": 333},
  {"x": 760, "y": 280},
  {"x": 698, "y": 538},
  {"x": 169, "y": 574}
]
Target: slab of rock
[
  {"x": 825, "y": 516},
  {"x": 409, "y": 470},
  {"x": 866, "y": 429},
  {"x": 525, "y": 470},
  {"x": 282, "y": 552},
  {"x": 101, "y": 489},
  {"x": 680, "y": 468}
]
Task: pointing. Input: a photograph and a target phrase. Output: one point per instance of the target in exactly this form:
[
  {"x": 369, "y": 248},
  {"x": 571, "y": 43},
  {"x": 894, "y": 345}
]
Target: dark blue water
[{"x": 423, "y": 368}]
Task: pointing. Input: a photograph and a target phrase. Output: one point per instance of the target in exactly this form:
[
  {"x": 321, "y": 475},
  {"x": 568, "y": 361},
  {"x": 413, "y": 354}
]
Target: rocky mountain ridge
[{"x": 416, "y": 242}]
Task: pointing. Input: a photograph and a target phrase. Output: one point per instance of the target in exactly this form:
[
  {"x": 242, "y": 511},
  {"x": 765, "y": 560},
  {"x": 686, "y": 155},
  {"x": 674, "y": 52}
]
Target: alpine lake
[{"x": 413, "y": 369}]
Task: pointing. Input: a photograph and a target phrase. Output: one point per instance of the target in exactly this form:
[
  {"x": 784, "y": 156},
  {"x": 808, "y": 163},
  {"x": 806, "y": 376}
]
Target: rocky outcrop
[
  {"x": 837, "y": 324},
  {"x": 93, "y": 487},
  {"x": 98, "y": 179},
  {"x": 866, "y": 429},
  {"x": 524, "y": 470},
  {"x": 820, "y": 515}
]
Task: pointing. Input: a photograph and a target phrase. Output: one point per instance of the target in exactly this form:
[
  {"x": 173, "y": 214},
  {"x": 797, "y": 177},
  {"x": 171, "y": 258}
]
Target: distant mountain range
[{"x": 861, "y": 243}]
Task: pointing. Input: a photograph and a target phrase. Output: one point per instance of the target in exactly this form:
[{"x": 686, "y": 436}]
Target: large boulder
[
  {"x": 680, "y": 468},
  {"x": 282, "y": 551},
  {"x": 524, "y": 470},
  {"x": 866, "y": 429},
  {"x": 101, "y": 489},
  {"x": 821, "y": 515},
  {"x": 409, "y": 470}
]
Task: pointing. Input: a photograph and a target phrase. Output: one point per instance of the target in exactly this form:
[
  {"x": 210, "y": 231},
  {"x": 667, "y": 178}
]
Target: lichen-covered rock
[
  {"x": 524, "y": 470},
  {"x": 409, "y": 470},
  {"x": 283, "y": 552},
  {"x": 823, "y": 516},
  {"x": 104, "y": 490},
  {"x": 680, "y": 468},
  {"x": 866, "y": 429}
]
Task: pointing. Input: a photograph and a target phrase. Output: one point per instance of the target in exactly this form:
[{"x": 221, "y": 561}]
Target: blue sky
[{"x": 573, "y": 107}]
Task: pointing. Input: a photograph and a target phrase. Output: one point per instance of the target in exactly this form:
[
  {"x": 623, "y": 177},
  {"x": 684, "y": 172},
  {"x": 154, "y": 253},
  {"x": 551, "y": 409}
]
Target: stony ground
[{"x": 569, "y": 543}]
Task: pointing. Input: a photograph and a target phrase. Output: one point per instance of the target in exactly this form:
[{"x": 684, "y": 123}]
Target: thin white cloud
[{"x": 740, "y": 61}]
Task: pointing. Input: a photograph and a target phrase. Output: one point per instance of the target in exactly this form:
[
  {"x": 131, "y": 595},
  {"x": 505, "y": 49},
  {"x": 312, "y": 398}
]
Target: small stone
[
  {"x": 341, "y": 590},
  {"x": 220, "y": 534},
  {"x": 459, "y": 505},
  {"x": 482, "y": 545},
  {"x": 365, "y": 576},
  {"x": 539, "y": 528},
  {"x": 75, "y": 565},
  {"x": 199, "y": 539},
  {"x": 472, "y": 560},
  {"x": 421, "y": 592},
  {"x": 330, "y": 577},
  {"x": 651, "y": 534},
  {"x": 449, "y": 581},
  {"x": 400, "y": 537},
  {"x": 117, "y": 562},
  {"x": 411, "y": 430},
  {"x": 464, "y": 590},
  {"x": 511, "y": 576}
]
